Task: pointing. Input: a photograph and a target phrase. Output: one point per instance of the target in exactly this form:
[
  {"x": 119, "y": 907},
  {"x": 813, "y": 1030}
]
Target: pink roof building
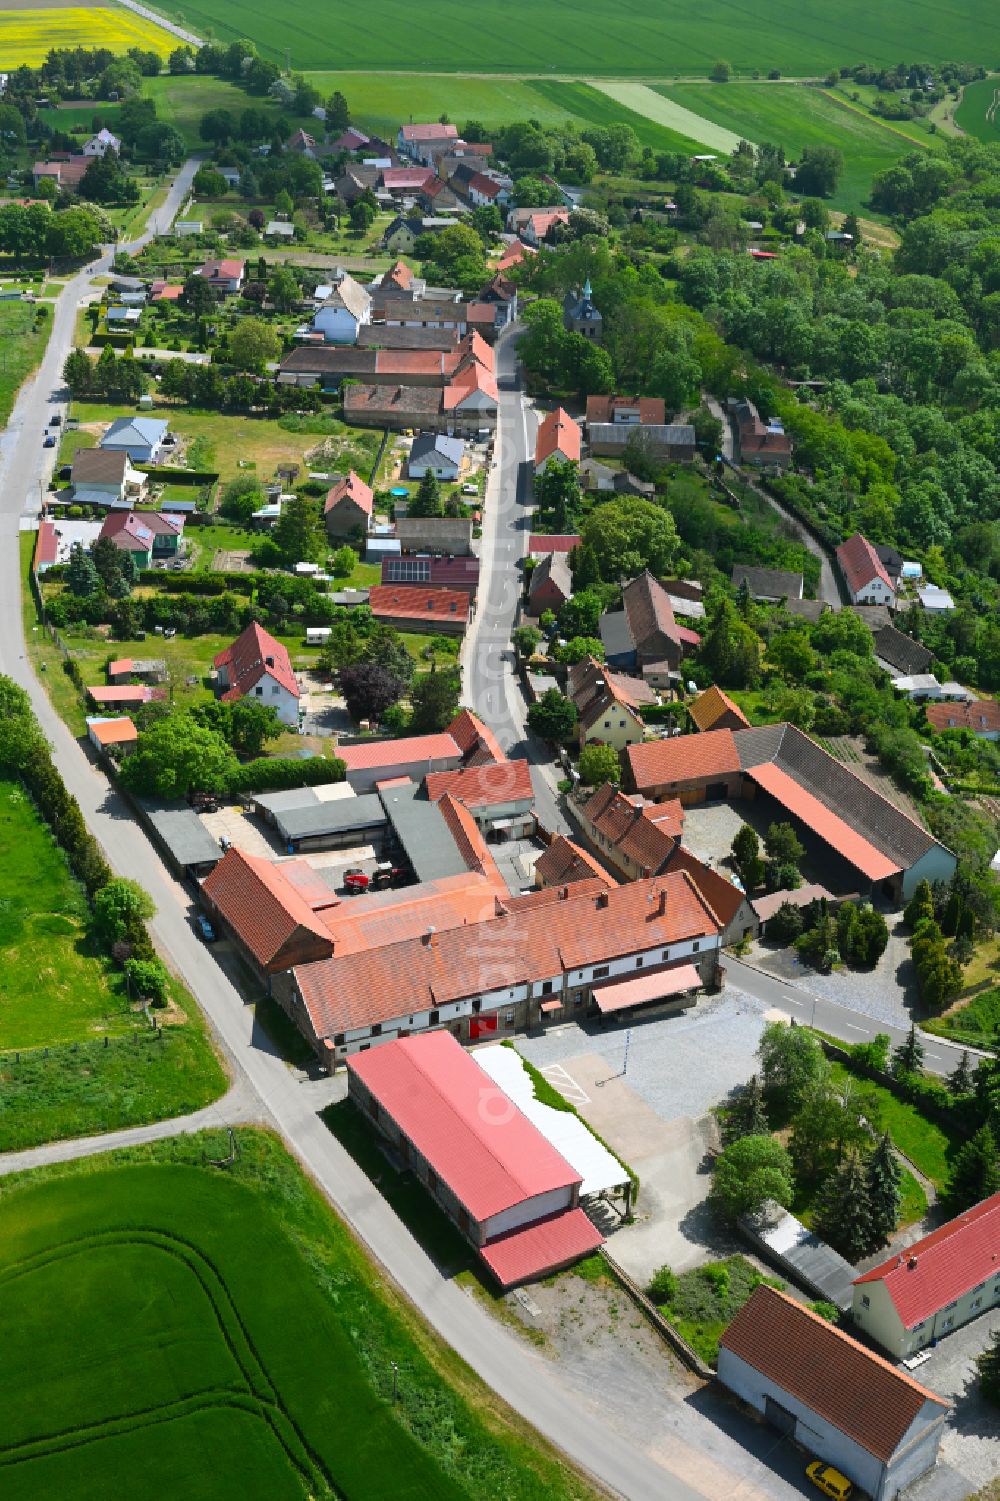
[{"x": 258, "y": 666}]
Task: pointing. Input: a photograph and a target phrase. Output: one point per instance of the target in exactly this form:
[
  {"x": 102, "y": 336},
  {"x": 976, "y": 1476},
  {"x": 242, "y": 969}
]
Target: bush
[
  {"x": 275, "y": 774},
  {"x": 662, "y": 1286}
]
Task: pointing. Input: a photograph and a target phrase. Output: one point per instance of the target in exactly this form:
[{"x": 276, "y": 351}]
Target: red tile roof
[
  {"x": 542, "y": 221},
  {"x": 565, "y": 542},
  {"x": 473, "y": 1136},
  {"x": 126, "y": 693},
  {"x": 857, "y": 1392},
  {"x": 639, "y": 833},
  {"x": 944, "y": 1265},
  {"x": 861, "y": 564},
  {"x": 527, "y": 1254},
  {"x": 351, "y": 487},
  {"x": 711, "y": 705},
  {"x": 484, "y": 786},
  {"x": 135, "y": 531},
  {"x": 475, "y": 379},
  {"x": 685, "y": 758},
  {"x": 722, "y": 896},
  {"x": 403, "y": 179},
  {"x": 515, "y": 253},
  {"x": 603, "y": 408},
  {"x": 564, "y": 863},
  {"x": 475, "y": 739},
  {"x": 485, "y": 186},
  {"x": 265, "y": 908},
  {"x": 225, "y": 270},
  {"x": 380, "y": 917},
  {"x": 413, "y": 748},
  {"x": 852, "y": 846},
  {"x": 425, "y": 602},
  {"x": 431, "y": 132},
  {"x": 510, "y": 949},
  {"x": 558, "y": 433},
  {"x": 113, "y": 731},
  {"x": 981, "y": 716},
  {"x": 253, "y": 655}
]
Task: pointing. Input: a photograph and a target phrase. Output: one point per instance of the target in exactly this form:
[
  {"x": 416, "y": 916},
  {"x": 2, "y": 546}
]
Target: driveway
[{"x": 971, "y": 1443}]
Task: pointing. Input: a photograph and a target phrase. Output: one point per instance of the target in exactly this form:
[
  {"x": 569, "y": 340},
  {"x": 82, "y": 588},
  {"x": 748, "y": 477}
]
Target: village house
[
  {"x": 225, "y": 277},
  {"x": 550, "y": 584},
  {"x": 510, "y": 1193},
  {"x": 411, "y": 758},
  {"x": 766, "y": 445},
  {"x": 428, "y": 608},
  {"x": 515, "y": 254},
  {"x": 257, "y": 666},
  {"x": 347, "y": 309},
  {"x": 101, "y": 143},
  {"x": 464, "y": 405},
  {"x": 635, "y": 837},
  {"x": 441, "y": 536},
  {"x": 532, "y": 225},
  {"x": 448, "y": 572},
  {"x": 644, "y": 634},
  {"x": 113, "y": 737},
  {"x": 498, "y": 794},
  {"x": 562, "y": 863},
  {"x": 864, "y": 573},
  {"x": 627, "y": 411},
  {"x": 402, "y": 234},
  {"x": 475, "y": 740},
  {"x": 869, "y": 844},
  {"x": 540, "y": 543},
  {"x": 609, "y": 704},
  {"x": 571, "y": 950},
  {"x": 433, "y": 453},
  {"x": 980, "y": 716},
  {"x": 933, "y": 1286},
  {"x": 146, "y": 535},
  {"x": 873, "y": 1423},
  {"x": 422, "y": 142},
  {"x": 406, "y": 182},
  {"x": 105, "y": 477},
  {"x": 395, "y": 336},
  {"x": 141, "y": 438},
  {"x": 67, "y": 172},
  {"x": 558, "y": 438},
  {"x": 348, "y": 508}
]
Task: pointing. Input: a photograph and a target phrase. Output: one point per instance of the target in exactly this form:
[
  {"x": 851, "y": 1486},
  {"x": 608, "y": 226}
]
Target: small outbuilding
[{"x": 843, "y": 1404}]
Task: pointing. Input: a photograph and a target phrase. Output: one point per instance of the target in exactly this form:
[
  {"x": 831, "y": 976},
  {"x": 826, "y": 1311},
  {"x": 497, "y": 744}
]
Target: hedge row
[{"x": 276, "y": 774}]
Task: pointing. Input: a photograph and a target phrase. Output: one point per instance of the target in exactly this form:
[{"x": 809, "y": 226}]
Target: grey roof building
[
  {"x": 188, "y": 845},
  {"x": 768, "y": 583}
]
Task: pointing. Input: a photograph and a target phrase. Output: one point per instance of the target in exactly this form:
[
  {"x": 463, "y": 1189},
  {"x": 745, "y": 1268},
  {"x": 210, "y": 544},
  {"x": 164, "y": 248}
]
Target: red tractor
[{"x": 356, "y": 881}]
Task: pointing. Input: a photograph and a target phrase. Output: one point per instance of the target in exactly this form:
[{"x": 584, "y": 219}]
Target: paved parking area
[
  {"x": 710, "y": 828},
  {"x": 971, "y": 1443},
  {"x": 654, "y": 1112},
  {"x": 256, "y": 837}
]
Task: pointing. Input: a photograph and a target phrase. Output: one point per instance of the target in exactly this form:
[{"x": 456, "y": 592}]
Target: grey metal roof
[
  {"x": 655, "y": 432},
  {"x": 336, "y": 816},
  {"x": 421, "y": 829},
  {"x": 817, "y": 1266},
  {"x": 281, "y": 802},
  {"x": 183, "y": 832},
  {"x": 426, "y": 445},
  {"x": 615, "y": 633}
]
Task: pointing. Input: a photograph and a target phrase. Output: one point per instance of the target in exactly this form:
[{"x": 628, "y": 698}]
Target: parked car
[
  {"x": 56, "y": 420},
  {"x": 387, "y": 874},
  {"x": 468, "y": 489},
  {"x": 356, "y": 881},
  {"x": 206, "y": 932},
  {"x": 50, "y": 442},
  {"x": 830, "y": 1481},
  {"x": 203, "y": 802}
]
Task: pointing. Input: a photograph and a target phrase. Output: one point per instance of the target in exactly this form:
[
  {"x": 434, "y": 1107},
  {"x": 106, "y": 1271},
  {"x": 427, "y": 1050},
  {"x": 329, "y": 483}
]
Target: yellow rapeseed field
[{"x": 27, "y": 35}]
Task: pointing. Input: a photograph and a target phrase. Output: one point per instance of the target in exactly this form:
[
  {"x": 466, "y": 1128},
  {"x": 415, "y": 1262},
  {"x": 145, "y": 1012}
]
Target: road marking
[
  {"x": 793, "y": 1000},
  {"x": 852, "y": 1028},
  {"x": 566, "y": 1084},
  {"x": 934, "y": 1055}
]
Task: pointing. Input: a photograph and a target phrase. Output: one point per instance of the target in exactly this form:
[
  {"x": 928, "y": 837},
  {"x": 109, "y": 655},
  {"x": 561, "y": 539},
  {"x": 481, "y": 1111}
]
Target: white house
[
  {"x": 345, "y": 311},
  {"x": 101, "y": 143},
  {"x": 440, "y": 455},
  {"x": 140, "y": 437},
  {"x": 842, "y": 1404},
  {"x": 105, "y": 477},
  {"x": 257, "y": 666},
  {"x": 934, "y": 600},
  {"x": 864, "y": 573}
]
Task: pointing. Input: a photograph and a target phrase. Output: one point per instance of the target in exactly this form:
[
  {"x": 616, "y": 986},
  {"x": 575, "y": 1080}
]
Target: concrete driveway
[{"x": 971, "y": 1443}]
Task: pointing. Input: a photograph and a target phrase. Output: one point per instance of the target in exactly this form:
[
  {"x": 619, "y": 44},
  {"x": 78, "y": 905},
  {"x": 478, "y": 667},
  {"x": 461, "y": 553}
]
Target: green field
[
  {"x": 794, "y": 116},
  {"x": 977, "y": 113},
  {"x": 55, "y": 986},
  {"x": 653, "y": 38},
  {"x": 183, "y": 101},
  {"x": 178, "y": 1332},
  {"x": 22, "y": 344}
]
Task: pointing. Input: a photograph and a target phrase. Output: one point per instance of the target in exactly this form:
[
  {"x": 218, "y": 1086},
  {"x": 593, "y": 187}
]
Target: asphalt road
[
  {"x": 518, "y": 1374},
  {"x": 489, "y": 683}
]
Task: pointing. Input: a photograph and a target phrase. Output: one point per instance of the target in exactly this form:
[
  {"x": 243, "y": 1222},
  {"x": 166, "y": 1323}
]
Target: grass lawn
[
  {"x": 975, "y": 1021},
  {"x": 912, "y": 1202},
  {"x": 181, "y": 102},
  {"x": 661, "y": 39},
  {"x": 929, "y": 1146},
  {"x": 241, "y": 1321},
  {"x": 707, "y": 1300},
  {"x": 231, "y": 443},
  {"x": 797, "y": 115},
  {"x": 22, "y": 344},
  {"x": 45, "y": 656},
  {"x": 56, "y": 987},
  {"x": 971, "y": 115}
]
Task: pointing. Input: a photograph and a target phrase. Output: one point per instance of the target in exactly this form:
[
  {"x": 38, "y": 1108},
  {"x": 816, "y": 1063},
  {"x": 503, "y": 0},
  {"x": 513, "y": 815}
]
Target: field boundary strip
[
  {"x": 856, "y": 109},
  {"x": 641, "y": 99},
  {"x": 261, "y": 1397}
]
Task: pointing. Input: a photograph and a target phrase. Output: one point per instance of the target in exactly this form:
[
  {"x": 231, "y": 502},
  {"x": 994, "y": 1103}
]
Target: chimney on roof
[
  {"x": 662, "y": 909},
  {"x": 602, "y": 899},
  {"x": 268, "y": 661},
  {"x": 911, "y": 1263},
  {"x": 429, "y": 936},
  {"x": 564, "y": 894}
]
